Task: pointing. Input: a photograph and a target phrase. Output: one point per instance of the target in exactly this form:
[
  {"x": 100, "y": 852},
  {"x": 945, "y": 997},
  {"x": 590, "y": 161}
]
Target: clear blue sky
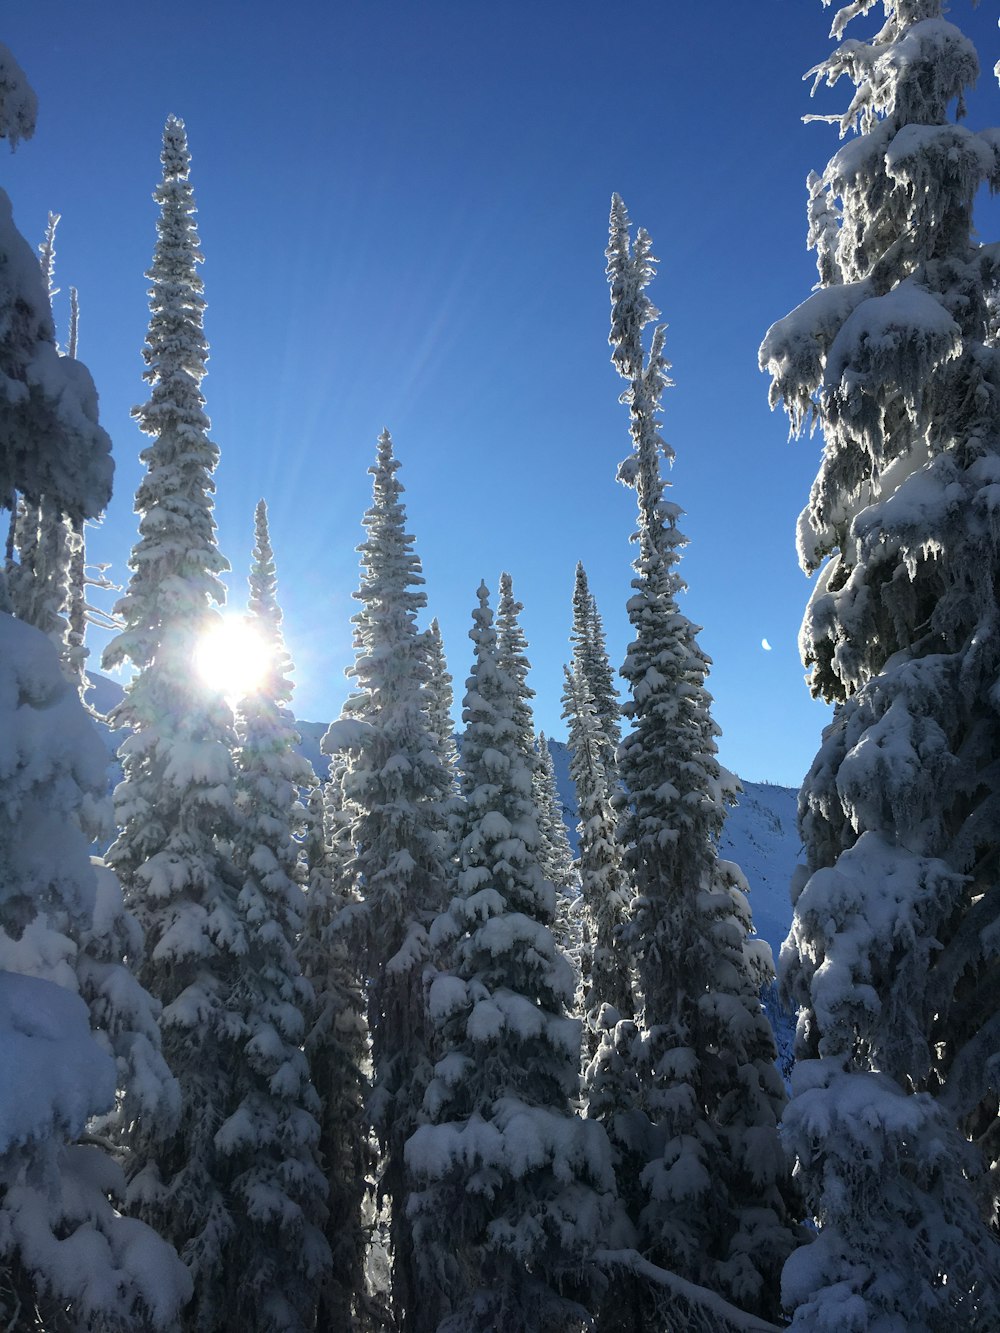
[{"x": 403, "y": 206}]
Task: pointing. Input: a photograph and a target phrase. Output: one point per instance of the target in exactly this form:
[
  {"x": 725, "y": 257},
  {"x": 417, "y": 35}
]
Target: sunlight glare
[{"x": 232, "y": 658}]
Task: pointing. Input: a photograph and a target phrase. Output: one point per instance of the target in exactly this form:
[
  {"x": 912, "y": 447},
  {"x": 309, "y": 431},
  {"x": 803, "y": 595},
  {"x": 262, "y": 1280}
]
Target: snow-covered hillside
[{"x": 760, "y": 836}]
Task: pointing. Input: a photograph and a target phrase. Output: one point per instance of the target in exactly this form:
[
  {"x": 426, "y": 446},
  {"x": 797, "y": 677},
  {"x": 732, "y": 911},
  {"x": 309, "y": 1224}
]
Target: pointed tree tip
[{"x": 176, "y": 157}]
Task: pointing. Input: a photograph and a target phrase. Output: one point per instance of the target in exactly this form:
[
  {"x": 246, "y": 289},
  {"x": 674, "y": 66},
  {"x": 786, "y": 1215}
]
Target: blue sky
[{"x": 403, "y": 206}]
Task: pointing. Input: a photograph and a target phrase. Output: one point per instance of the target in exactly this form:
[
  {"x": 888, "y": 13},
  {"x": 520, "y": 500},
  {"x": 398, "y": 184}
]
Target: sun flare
[{"x": 232, "y": 658}]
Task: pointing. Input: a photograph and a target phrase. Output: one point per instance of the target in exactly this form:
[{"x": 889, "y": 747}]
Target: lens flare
[{"x": 232, "y": 658}]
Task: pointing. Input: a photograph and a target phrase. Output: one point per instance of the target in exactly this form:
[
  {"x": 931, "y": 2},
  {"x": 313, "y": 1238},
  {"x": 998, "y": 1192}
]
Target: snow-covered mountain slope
[
  {"x": 760, "y": 833},
  {"x": 760, "y": 836}
]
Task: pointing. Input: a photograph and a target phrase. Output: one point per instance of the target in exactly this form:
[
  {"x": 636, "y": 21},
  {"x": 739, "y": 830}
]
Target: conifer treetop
[
  {"x": 630, "y": 269},
  {"x": 387, "y": 556},
  {"x": 176, "y": 563},
  {"x": 555, "y": 854},
  {"x": 705, "y": 1058},
  {"x": 176, "y": 352},
  {"x": 265, "y": 611},
  {"x": 590, "y": 662},
  {"x": 440, "y": 695},
  {"x": 512, "y": 658}
]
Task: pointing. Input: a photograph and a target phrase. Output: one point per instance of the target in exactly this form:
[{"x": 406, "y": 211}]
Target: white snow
[{"x": 63, "y": 1077}]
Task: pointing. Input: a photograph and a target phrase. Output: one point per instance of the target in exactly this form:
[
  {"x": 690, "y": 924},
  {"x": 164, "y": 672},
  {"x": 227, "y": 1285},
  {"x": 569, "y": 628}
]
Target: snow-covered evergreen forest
[{"x": 378, "y": 1042}]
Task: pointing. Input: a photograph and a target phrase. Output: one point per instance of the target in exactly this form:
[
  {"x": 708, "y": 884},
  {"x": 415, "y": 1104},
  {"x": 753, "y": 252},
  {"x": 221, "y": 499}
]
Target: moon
[{"x": 765, "y": 645}]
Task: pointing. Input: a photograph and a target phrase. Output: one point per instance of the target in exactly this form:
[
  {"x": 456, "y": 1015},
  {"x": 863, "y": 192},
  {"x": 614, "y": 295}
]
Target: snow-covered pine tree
[
  {"x": 74, "y": 1026},
  {"x": 593, "y": 712},
  {"x": 278, "y": 1257},
  {"x": 717, "y": 1187},
  {"x": 45, "y": 540},
  {"x": 591, "y": 664},
  {"x": 79, "y": 614},
  {"x": 894, "y": 952},
  {"x": 397, "y": 788},
  {"x": 604, "y": 888},
  {"x": 612, "y": 1063},
  {"x": 555, "y": 856},
  {"x": 518, "y": 1191},
  {"x": 175, "y": 802},
  {"x": 440, "y": 697},
  {"x": 512, "y": 658},
  {"x": 439, "y": 716},
  {"x": 52, "y": 580},
  {"x": 336, "y": 1046}
]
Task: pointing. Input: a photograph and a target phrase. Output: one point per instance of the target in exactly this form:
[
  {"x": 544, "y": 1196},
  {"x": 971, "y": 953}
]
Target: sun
[{"x": 232, "y": 658}]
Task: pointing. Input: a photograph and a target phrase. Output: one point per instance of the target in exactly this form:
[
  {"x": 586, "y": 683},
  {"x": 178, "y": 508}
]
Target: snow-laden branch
[{"x": 720, "y": 1316}]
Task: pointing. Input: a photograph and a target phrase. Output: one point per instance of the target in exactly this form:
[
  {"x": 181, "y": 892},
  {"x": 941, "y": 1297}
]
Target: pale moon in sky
[{"x": 765, "y": 645}]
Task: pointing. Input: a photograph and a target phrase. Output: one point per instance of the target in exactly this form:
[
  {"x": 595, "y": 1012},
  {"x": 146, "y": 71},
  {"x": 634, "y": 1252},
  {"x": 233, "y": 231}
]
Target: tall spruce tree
[
  {"x": 442, "y": 727},
  {"x": 607, "y": 1002},
  {"x": 593, "y": 712},
  {"x": 78, "y": 1036},
  {"x": 279, "y": 1259},
  {"x": 397, "y": 786},
  {"x": 555, "y": 856},
  {"x": 555, "y": 853},
  {"x": 336, "y": 1045},
  {"x": 604, "y": 887},
  {"x": 716, "y": 1186},
  {"x": 440, "y": 697},
  {"x": 518, "y": 1192},
  {"x": 512, "y": 658},
  {"x": 894, "y": 954},
  {"x": 174, "y": 805},
  {"x": 591, "y": 664},
  {"x": 612, "y": 1052}
]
